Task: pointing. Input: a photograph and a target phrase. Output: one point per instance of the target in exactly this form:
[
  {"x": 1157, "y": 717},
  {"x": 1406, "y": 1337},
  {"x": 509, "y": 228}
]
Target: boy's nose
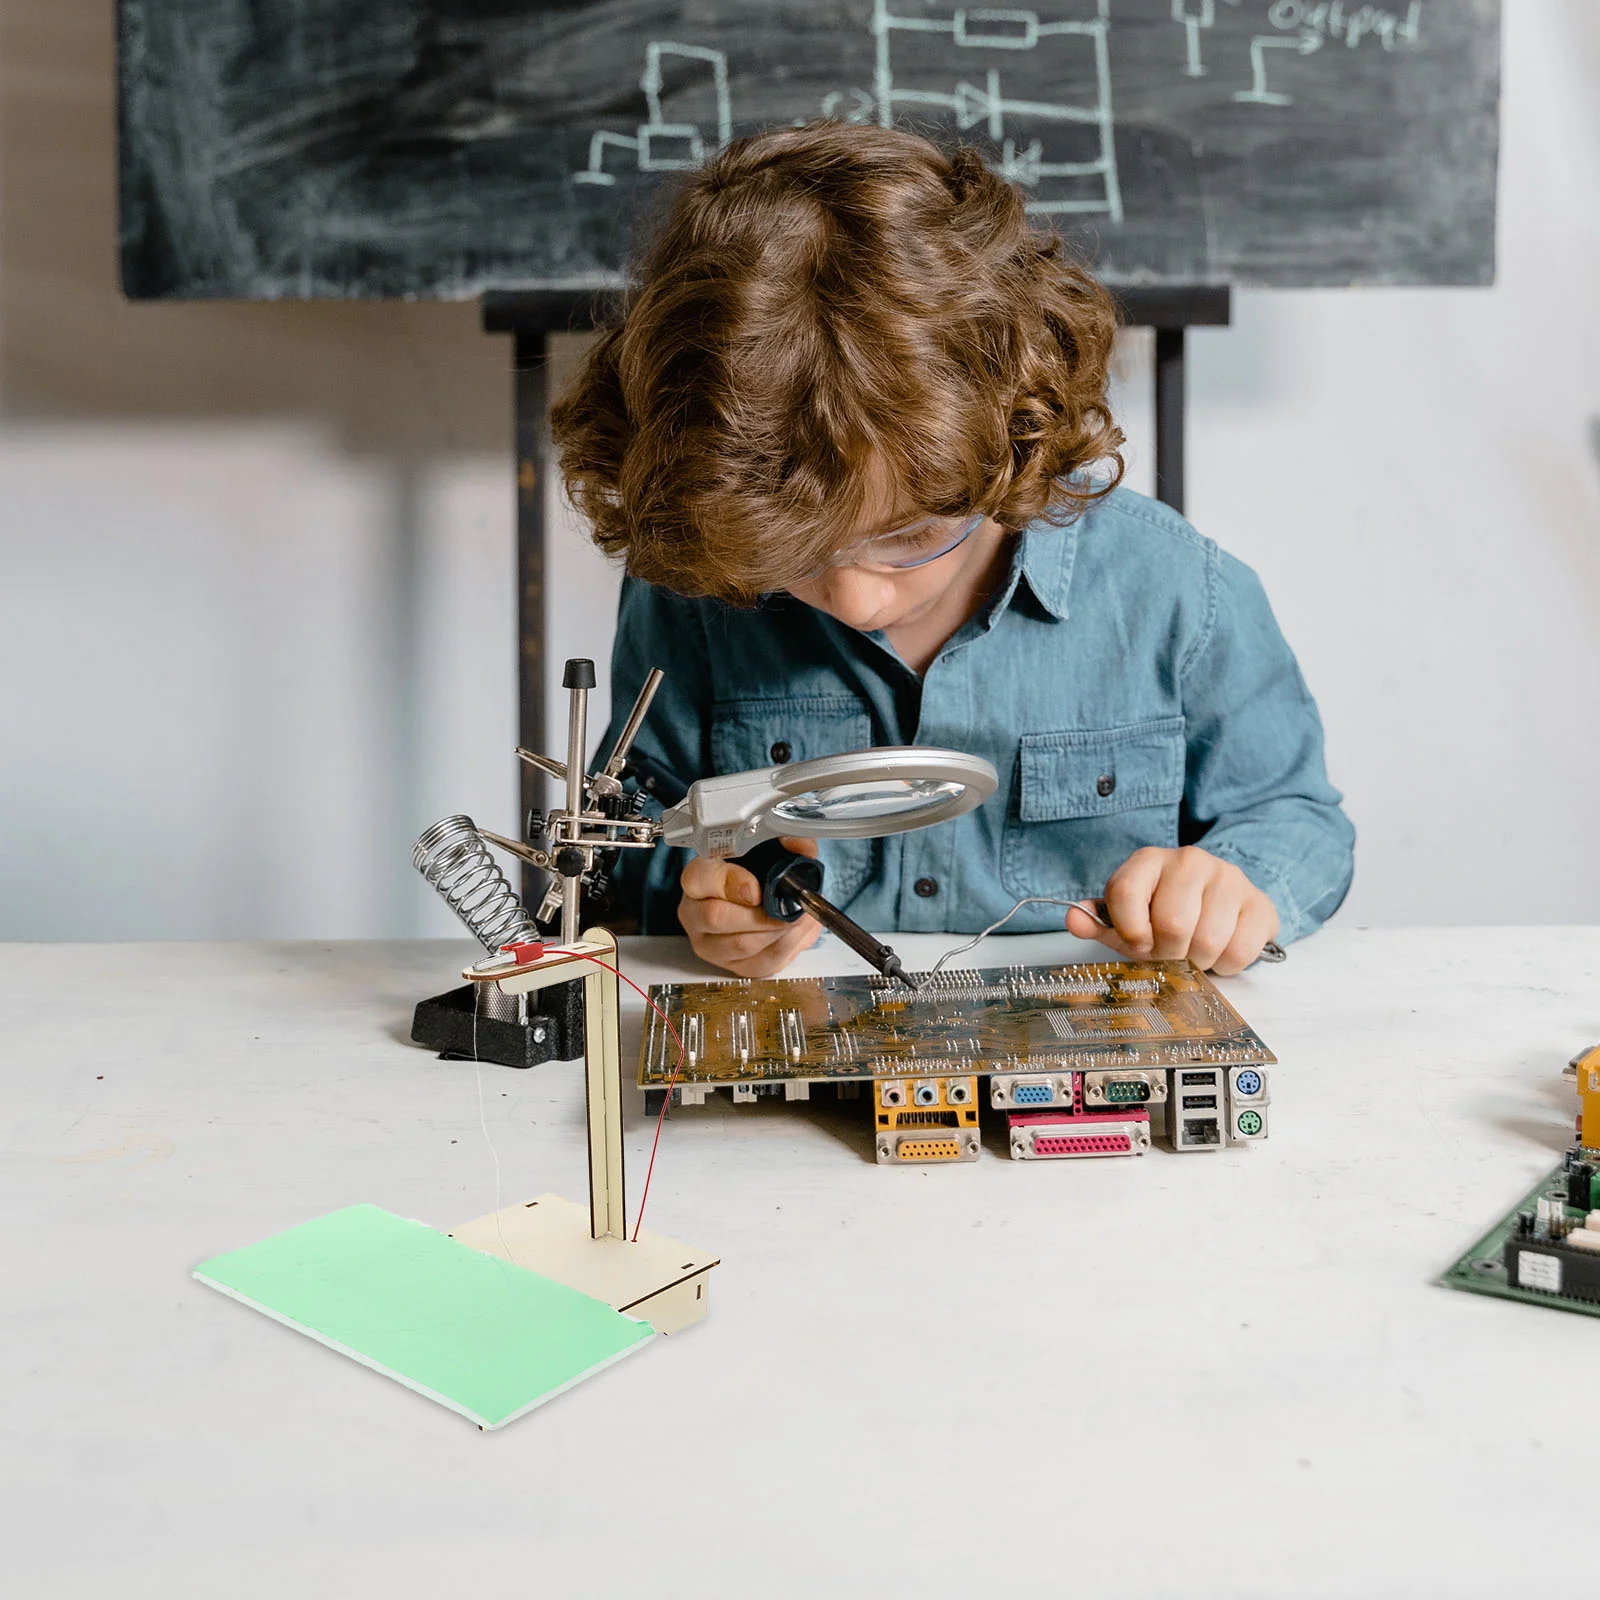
[{"x": 855, "y": 597}]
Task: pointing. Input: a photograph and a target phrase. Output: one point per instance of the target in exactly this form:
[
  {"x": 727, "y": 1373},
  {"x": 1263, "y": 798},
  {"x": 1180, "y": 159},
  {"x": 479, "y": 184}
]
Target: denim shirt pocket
[
  {"x": 1084, "y": 800},
  {"x": 754, "y": 733}
]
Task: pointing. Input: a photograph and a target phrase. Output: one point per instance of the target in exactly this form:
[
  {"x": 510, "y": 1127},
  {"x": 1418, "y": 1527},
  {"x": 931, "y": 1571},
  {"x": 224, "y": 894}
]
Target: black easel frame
[{"x": 531, "y": 317}]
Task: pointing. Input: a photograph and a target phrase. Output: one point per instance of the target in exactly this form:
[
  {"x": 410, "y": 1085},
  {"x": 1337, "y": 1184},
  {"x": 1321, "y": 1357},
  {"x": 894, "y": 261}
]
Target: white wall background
[{"x": 256, "y": 605}]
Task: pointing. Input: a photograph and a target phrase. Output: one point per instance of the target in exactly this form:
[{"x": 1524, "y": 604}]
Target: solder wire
[{"x": 961, "y": 949}]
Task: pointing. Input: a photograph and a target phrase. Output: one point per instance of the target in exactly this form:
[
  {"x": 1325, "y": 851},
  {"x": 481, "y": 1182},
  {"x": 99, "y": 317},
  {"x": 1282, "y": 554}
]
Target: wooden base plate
[{"x": 654, "y": 1278}]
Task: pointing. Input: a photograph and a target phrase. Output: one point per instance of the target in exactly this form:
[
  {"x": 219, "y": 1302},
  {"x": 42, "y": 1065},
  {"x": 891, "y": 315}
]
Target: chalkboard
[{"x": 397, "y": 148}]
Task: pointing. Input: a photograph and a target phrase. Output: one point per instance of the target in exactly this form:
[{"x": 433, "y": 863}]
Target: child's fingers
[
  {"x": 1175, "y": 909},
  {"x": 727, "y": 948},
  {"x": 1217, "y": 922},
  {"x": 1082, "y": 926},
  {"x": 705, "y": 879},
  {"x": 779, "y": 953},
  {"x": 1128, "y": 894},
  {"x": 1114, "y": 942},
  {"x": 723, "y": 916},
  {"x": 1258, "y": 922}
]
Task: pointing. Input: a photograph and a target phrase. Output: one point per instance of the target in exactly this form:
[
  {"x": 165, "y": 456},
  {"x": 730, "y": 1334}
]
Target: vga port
[{"x": 1033, "y": 1090}]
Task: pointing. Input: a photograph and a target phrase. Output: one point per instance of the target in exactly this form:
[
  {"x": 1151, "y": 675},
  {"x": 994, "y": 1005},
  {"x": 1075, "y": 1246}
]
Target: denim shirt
[{"x": 1128, "y": 683}]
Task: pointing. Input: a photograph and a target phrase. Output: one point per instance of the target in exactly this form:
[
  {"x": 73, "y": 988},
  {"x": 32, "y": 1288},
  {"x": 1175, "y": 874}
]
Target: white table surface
[{"x": 1186, "y": 1376}]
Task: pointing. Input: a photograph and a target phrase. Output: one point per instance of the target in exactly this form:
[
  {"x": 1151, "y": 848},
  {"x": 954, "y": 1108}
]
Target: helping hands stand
[{"x": 648, "y": 1276}]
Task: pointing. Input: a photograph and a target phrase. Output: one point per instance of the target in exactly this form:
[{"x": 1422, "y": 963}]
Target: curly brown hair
[{"x": 820, "y": 297}]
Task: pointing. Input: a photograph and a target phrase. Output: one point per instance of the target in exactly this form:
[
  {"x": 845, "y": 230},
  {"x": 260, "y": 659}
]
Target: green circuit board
[{"x": 1482, "y": 1269}]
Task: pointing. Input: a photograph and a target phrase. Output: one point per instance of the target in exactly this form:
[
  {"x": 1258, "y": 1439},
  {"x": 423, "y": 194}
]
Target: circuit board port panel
[{"x": 1103, "y": 1016}]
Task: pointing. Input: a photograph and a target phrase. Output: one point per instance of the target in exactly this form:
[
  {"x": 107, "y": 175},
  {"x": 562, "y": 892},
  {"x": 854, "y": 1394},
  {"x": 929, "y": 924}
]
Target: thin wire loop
[{"x": 961, "y": 949}]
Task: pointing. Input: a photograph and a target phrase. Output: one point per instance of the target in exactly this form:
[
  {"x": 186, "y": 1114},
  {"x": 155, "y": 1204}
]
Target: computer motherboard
[
  {"x": 1546, "y": 1249},
  {"x": 1076, "y": 1056}
]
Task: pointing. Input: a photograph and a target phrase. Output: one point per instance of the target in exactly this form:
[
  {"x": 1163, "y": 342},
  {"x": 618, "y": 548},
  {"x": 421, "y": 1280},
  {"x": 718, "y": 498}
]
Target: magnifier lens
[{"x": 872, "y": 797}]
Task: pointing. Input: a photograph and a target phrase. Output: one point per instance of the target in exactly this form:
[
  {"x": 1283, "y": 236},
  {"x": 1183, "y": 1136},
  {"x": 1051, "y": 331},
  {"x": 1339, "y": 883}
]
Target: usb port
[
  {"x": 1207, "y": 1078},
  {"x": 1199, "y": 1102}
]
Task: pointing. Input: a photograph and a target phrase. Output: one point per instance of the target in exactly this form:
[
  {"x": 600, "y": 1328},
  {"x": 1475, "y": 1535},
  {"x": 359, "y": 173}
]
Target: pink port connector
[{"x": 1094, "y": 1133}]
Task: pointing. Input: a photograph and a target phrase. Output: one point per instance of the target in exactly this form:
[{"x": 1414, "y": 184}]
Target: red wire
[{"x": 671, "y": 1082}]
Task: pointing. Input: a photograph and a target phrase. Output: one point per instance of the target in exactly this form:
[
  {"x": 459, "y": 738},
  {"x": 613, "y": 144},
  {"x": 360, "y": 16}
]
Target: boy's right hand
[{"x": 722, "y": 914}]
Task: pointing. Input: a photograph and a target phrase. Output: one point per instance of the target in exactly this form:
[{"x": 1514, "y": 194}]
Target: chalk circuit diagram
[{"x": 1060, "y": 152}]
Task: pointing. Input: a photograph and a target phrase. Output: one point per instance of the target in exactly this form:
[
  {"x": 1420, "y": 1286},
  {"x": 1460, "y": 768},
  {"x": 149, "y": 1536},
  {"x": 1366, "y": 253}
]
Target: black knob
[
  {"x": 579, "y": 674},
  {"x": 1105, "y": 784},
  {"x": 781, "y": 751},
  {"x": 570, "y": 862}
]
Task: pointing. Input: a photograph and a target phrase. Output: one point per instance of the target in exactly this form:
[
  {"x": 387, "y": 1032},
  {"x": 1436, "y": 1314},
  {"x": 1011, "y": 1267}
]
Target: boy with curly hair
[{"x": 850, "y": 435}]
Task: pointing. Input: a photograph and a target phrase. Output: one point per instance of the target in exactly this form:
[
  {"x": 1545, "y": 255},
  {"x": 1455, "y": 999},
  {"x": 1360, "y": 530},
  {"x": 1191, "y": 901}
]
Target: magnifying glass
[{"x": 858, "y": 794}]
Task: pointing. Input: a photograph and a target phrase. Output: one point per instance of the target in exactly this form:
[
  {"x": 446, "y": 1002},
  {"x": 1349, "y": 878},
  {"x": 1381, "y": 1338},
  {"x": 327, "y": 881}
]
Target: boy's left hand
[{"x": 1187, "y": 902}]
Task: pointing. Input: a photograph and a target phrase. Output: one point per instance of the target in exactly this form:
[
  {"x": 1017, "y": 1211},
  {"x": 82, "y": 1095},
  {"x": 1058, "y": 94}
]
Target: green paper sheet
[{"x": 475, "y": 1333}]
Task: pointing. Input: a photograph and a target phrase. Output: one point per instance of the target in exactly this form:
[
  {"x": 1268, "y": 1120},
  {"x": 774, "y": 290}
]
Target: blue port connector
[
  {"x": 1248, "y": 1081},
  {"x": 1032, "y": 1094}
]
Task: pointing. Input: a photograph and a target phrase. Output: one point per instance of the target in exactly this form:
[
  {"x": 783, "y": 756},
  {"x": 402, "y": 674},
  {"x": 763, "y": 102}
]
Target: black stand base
[{"x": 553, "y": 1031}]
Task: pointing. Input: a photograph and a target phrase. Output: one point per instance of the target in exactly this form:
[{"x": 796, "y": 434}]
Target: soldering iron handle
[
  {"x": 873, "y": 951},
  {"x": 792, "y": 884},
  {"x": 782, "y": 874}
]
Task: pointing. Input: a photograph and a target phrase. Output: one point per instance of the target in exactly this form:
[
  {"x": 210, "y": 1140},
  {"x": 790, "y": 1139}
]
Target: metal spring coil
[{"x": 454, "y": 859}]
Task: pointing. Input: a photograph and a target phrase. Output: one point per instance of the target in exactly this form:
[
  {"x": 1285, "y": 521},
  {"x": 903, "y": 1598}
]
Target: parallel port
[{"x": 1054, "y": 1137}]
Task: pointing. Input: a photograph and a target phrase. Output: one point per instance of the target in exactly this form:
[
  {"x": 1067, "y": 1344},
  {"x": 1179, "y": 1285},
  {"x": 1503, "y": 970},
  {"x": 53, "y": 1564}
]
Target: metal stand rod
[
  {"x": 578, "y": 680},
  {"x": 1169, "y": 416},
  {"x": 532, "y": 401}
]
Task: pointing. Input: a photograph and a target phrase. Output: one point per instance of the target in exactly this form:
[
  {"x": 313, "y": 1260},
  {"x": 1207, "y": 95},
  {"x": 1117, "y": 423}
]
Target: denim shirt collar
[{"x": 1045, "y": 558}]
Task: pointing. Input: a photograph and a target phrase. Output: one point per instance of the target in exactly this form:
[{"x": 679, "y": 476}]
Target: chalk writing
[
  {"x": 1080, "y": 181},
  {"x": 1312, "y": 23},
  {"x": 987, "y": 104},
  {"x": 1193, "y": 23},
  {"x": 659, "y": 145}
]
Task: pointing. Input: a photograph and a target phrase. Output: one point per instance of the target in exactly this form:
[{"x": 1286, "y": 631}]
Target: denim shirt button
[
  {"x": 781, "y": 751},
  {"x": 1105, "y": 784},
  {"x": 926, "y": 887}
]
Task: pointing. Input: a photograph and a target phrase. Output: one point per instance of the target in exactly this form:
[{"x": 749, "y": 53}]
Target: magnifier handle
[{"x": 783, "y": 874}]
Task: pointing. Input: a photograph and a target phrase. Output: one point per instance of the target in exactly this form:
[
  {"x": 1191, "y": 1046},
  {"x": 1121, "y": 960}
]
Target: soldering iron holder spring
[{"x": 456, "y": 861}]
